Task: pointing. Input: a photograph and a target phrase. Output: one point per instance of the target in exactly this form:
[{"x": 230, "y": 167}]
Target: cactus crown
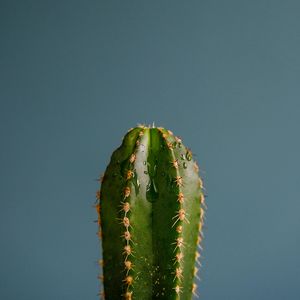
[{"x": 151, "y": 217}]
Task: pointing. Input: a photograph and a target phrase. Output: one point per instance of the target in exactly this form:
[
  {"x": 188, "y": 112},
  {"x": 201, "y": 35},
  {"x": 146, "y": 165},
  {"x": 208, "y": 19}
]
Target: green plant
[{"x": 150, "y": 215}]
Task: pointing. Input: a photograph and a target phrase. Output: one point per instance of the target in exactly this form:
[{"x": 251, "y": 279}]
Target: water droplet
[
  {"x": 145, "y": 172},
  {"x": 136, "y": 183},
  {"x": 184, "y": 165},
  {"x": 151, "y": 191},
  {"x": 188, "y": 155},
  {"x": 144, "y": 163},
  {"x": 182, "y": 156}
]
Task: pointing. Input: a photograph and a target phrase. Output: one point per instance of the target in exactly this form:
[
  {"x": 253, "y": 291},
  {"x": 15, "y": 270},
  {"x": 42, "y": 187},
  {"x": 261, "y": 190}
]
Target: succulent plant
[{"x": 150, "y": 214}]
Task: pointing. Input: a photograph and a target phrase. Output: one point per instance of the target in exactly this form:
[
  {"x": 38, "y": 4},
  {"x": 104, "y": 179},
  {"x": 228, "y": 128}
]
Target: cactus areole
[{"x": 150, "y": 216}]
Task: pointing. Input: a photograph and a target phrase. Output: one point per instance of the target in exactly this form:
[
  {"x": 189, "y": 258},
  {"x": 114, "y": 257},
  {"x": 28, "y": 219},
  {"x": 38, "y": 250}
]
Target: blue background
[{"x": 223, "y": 75}]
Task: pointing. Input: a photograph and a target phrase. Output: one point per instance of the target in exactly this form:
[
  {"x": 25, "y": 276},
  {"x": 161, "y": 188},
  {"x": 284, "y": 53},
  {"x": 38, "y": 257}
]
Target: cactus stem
[{"x": 152, "y": 174}]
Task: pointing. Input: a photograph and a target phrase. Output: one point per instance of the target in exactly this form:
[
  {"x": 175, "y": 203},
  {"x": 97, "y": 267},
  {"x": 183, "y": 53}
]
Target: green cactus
[{"x": 151, "y": 217}]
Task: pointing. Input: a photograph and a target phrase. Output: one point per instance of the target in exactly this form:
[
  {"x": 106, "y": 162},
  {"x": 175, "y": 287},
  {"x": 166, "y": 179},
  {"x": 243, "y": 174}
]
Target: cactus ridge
[{"x": 150, "y": 222}]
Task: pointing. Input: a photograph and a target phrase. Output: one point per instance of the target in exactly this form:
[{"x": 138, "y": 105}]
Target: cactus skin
[{"x": 151, "y": 217}]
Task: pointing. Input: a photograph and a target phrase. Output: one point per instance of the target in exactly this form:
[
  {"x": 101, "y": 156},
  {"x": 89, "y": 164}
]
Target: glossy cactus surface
[{"x": 150, "y": 215}]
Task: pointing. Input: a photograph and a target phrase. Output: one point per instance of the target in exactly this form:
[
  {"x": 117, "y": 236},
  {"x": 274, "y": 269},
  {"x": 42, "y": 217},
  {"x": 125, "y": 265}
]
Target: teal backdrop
[{"x": 76, "y": 75}]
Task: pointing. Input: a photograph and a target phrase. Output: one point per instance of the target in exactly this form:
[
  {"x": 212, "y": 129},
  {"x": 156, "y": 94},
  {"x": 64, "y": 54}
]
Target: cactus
[{"x": 150, "y": 215}]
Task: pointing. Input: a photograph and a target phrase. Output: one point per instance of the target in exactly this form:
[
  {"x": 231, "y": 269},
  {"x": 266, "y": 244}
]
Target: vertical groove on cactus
[{"x": 151, "y": 216}]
